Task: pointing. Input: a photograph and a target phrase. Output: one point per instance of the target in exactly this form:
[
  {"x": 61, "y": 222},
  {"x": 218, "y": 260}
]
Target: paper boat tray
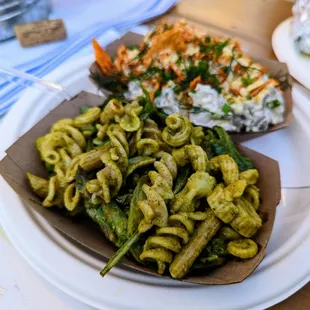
[
  {"x": 23, "y": 157},
  {"x": 275, "y": 69}
]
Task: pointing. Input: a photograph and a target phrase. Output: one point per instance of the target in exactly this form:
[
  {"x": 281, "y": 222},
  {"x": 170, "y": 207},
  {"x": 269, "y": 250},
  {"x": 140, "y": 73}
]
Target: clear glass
[{"x": 15, "y": 12}]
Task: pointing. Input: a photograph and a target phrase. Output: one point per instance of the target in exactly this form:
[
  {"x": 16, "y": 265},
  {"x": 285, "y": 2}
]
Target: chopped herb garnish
[
  {"x": 226, "y": 109},
  {"x": 169, "y": 75},
  {"x": 197, "y": 110},
  {"x": 193, "y": 91},
  {"x": 133, "y": 47},
  {"x": 208, "y": 39},
  {"x": 219, "y": 46},
  {"x": 179, "y": 61},
  {"x": 249, "y": 97},
  {"x": 157, "y": 93},
  {"x": 273, "y": 104},
  {"x": 177, "y": 89},
  {"x": 167, "y": 27},
  {"x": 247, "y": 81}
]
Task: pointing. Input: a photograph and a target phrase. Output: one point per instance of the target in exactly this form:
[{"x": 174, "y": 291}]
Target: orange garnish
[
  {"x": 103, "y": 59},
  {"x": 194, "y": 82}
]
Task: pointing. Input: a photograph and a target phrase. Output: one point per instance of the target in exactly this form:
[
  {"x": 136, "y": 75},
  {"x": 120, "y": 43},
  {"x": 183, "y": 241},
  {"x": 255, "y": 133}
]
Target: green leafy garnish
[
  {"x": 167, "y": 27},
  {"x": 226, "y": 109},
  {"x": 218, "y": 142},
  {"x": 148, "y": 107},
  {"x": 247, "y": 81},
  {"x": 112, "y": 83},
  {"x": 273, "y": 104},
  {"x": 219, "y": 46}
]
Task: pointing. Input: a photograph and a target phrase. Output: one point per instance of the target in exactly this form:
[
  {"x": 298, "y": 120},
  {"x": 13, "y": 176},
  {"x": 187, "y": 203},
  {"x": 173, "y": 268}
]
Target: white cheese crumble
[{"x": 134, "y": 90}]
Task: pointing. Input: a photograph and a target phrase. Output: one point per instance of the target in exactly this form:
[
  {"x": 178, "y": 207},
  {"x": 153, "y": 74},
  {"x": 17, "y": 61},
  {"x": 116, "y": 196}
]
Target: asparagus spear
[{"x": 114, "y": 260}]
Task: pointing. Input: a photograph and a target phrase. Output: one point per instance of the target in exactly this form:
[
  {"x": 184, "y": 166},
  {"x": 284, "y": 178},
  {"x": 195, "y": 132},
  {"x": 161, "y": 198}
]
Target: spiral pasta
[
  {"x": 178, "y": 130},
  {"x": 149, "y": 139},
  {"x": 169, "y": 240},
  {"x": 199, "y": 185},
  {"x": 227, "y": 166},
  {"x": 151, "y": 190},
  {"x": 115, "y": 161},
  {"x": 193, "y": 154},
  {"x": 154, "y": 208}
]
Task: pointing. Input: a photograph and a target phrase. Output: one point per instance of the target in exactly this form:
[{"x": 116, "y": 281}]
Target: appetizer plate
[
  {"x": 73, "y": 269},
  {"x": 286, "y": 51}
]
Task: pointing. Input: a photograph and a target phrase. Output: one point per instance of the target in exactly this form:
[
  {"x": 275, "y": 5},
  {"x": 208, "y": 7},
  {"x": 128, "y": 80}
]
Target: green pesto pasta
[
  {"x": 178, "y": 130},
  {"x": 149, "y": 187}
]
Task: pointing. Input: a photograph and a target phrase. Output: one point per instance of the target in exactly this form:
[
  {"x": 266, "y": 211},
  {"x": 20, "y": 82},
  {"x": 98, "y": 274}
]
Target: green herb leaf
[
  {"x": 247, "y": 81},
  {"x": 207, "y": 39},
  {"x": 219, "y": 47},
  {"x": 148, "y": 107},
  {"x": 273, "y": 104},
  {"x": 167, "y": 27},
  {"x": 226, "y": 109},
  {"x": 110, "y": 83}
]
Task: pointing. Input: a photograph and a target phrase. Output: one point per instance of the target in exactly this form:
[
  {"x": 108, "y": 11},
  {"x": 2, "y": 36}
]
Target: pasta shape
[
  {"x": 113, "y": 109},
  {"x": 168, "y": 240},
  {"x": 199, "y": 185},
  {"x": 178, "y": 130},
  {"x": 115, "y": 161},
  {"x": 197, "y": 136},
  {"x": 38, "y": 185},
  {"x": 250, "y": 176},
  {"x": 71, "y": 197},
  {"x": 154, "y": 208},
  {"x": 202, "y": 235},
  {"x": 65, "y": 126},
  {"x": 227, "y": 166},
  {"x": 193, "y": 154},
  {"x": 89, "y": 117},
  {"x": 130, "y": 121},
  {"x": 105, "y": 161},
  {"x": 252, "y": 195},
  {"x": 149, "y": 140}
]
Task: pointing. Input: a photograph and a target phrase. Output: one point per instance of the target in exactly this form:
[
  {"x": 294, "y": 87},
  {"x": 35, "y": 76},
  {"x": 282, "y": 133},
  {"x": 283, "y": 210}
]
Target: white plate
[
  {"x": 71, "y": 268},
  {"x": 286, "y": 51}
]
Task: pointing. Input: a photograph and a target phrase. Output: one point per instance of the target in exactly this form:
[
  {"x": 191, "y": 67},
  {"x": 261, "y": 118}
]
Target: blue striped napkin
[{"x": 119, "y": 16}]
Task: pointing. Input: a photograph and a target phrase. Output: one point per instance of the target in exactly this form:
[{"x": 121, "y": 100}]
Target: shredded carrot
[
  {"x": 103, "y": 60},
  {"x": 257, "y": 90},
  {"x": 194, "y": 82},
  {"x": 235, "y": 91}
]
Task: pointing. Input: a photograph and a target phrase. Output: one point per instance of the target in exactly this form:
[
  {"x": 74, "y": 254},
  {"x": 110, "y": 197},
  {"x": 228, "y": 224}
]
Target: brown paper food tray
[
  {"x": 275, "y": 68},
  {"x": 23, "y": 157}
]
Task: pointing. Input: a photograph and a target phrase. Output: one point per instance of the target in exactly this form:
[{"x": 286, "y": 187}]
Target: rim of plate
[
  {"x": 74, "y": 70},
  {"x": 286, "y": 51}
]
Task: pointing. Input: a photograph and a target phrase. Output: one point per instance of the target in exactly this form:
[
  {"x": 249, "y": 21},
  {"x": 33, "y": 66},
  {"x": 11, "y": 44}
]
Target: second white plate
[{"x": 286, "y": 51}]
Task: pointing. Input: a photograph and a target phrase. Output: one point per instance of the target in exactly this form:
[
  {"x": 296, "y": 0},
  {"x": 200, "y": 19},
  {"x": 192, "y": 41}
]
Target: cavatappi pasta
[{"x": 156, "y": 188}]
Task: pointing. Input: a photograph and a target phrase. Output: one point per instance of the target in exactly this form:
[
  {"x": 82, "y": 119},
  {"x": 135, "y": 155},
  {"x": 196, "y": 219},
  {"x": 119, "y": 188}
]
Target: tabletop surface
[{"x": 253, "y": 21}]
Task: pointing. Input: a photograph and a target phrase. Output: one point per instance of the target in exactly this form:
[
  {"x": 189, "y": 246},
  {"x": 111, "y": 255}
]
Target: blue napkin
[{"x": 104, "y": 20}]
